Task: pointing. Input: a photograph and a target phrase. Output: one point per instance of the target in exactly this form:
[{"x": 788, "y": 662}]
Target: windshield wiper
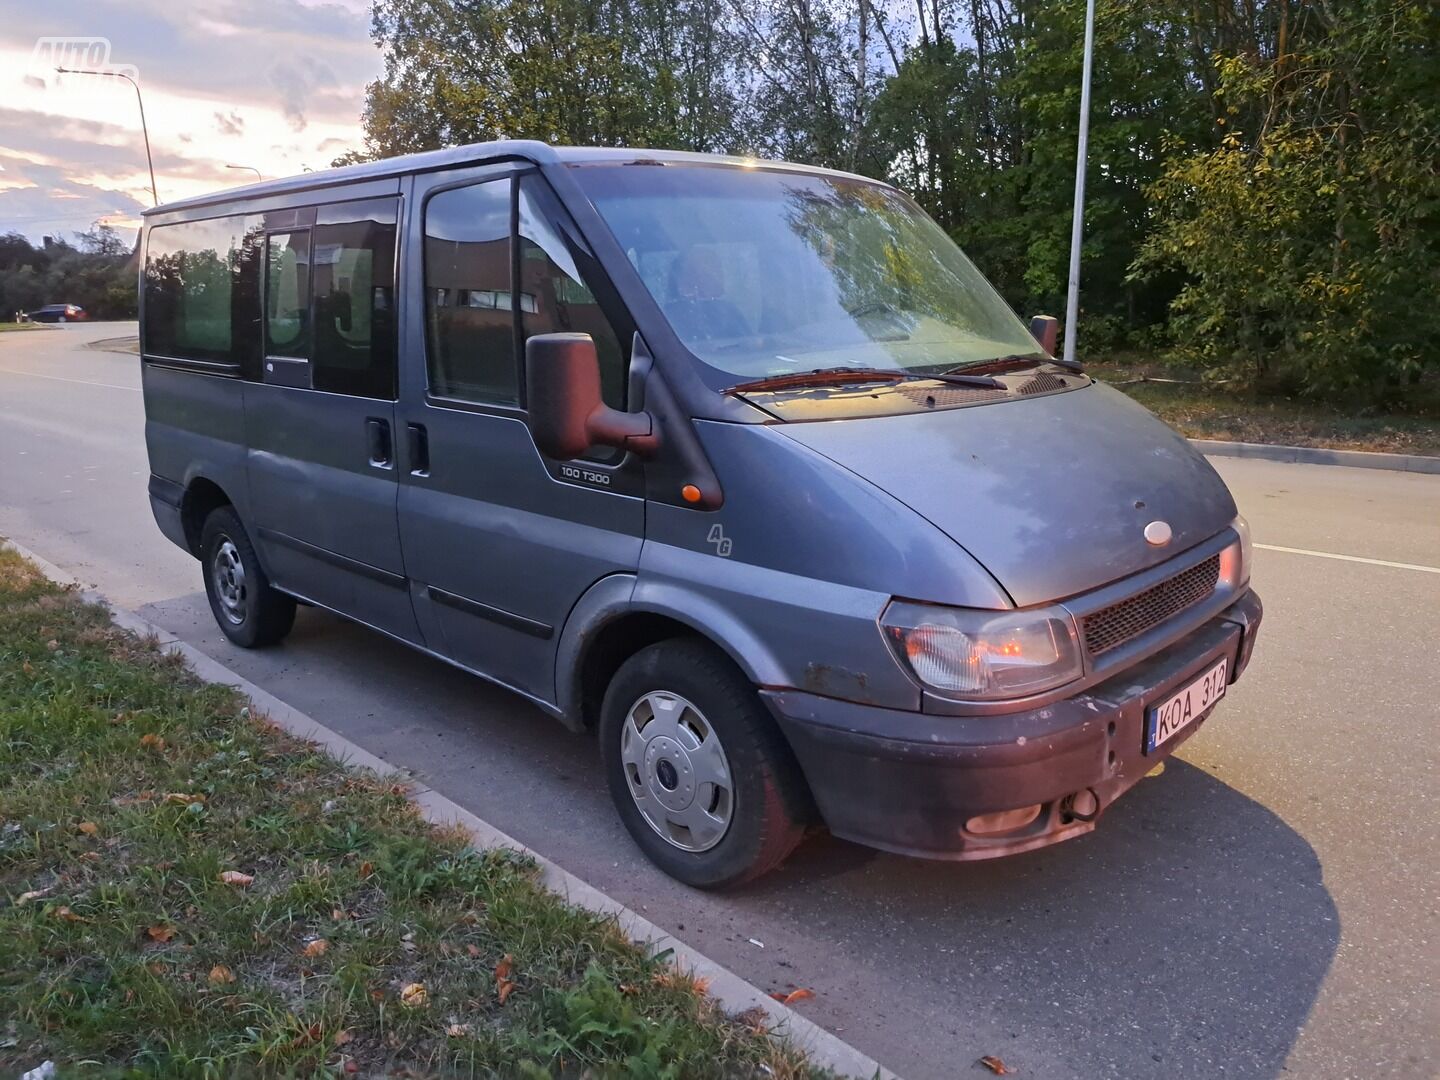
[
  {"x": 839, "y": 376},
  {"x": 1015, "y": 360}
]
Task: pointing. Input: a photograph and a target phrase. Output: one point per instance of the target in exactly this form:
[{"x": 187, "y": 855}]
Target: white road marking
[
  {"x": 1351, "y": 558},
  {"x": 61, "y": 378}
]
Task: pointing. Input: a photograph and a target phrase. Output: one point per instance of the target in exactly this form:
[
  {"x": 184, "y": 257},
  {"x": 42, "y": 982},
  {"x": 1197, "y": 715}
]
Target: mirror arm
[{"x": 633, "y": 431}]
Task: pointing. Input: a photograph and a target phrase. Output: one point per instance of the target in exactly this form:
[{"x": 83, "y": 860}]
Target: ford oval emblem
[{"x": 1157, "y": 533}]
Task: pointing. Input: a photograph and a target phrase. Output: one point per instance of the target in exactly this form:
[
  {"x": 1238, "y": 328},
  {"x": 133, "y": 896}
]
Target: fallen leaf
[
  {"x": 995, "y": 1065},
  {"x": 366, "y": 869},
  {"x": 338, "y": 914},
  {"x": 90, "y": 856},
  {"x": 473, "y": 950},
  {"x": 220, "y": 975},
  {"x": 796, "y": 996},
  {"x": 504, "y": 990},
  {"x": 343, "y": 1036},
  {"x": 316, "y": 947},
  {"x": 27, "y": 667},
  {"x": 33, "y": 894},
  {"x": 183, "y": 798},
  {"x": 161, "y": 932},
  {"x": 63, "y": 912},
  {"x": 156, "y": 968},
  {"x": 455, "y": 1031},
  {"x": 351, "y": 1066},
  {"x": 414, "y": 996},
  {"x": 503, "y": 968},
  {"x": 152, "y": 741},
  {"x": 235, "y": 877},
  {"x": 89, "y": 828},
  {"x": 52, "y": 644}
]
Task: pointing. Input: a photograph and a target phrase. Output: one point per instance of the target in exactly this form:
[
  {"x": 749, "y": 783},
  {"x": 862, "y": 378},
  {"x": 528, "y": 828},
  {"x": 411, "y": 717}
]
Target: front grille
[{"x": 1131, "y": 617}]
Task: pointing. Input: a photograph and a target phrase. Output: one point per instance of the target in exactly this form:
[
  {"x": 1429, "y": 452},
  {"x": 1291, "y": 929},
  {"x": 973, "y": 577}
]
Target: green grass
[
  {"x": 21, "y": 326},
  {"x": 128, "y": 789},
  {"x": 1211, "y": 412}
]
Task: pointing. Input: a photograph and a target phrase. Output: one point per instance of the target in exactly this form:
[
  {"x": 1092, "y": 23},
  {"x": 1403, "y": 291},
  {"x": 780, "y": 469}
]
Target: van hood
[{"x": 1051, "y": 494}]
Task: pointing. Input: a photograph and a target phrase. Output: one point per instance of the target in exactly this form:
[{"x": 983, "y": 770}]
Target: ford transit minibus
[{"x": 740, "y": 465}]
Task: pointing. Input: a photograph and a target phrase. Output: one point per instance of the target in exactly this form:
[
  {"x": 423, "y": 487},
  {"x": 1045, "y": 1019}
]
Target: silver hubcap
[
  {"x": 228, "y": 573},
  {"x": 677, "y": 771}
]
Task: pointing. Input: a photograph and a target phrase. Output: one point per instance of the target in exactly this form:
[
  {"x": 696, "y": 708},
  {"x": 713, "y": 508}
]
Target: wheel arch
[
  {"x": 606, "y": 627},
  {"x": 202, "y": 497}
]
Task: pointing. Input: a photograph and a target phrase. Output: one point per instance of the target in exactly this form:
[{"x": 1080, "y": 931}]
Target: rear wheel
[
  {"x": 250, "y": 611},
  {"x": 700, "y": 775}
]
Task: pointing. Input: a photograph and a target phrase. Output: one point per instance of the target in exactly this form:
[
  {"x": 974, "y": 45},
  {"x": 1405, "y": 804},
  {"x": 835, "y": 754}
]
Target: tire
[
  {"x": 251, "y": 612},
  {"x": 698, "y": 695}
]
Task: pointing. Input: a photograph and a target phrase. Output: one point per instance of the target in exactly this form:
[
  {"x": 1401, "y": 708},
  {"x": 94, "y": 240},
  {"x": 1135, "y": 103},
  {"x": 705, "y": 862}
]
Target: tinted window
[
  {"x": 201, "y": 290},
  {"x": 468, "y": 306},
  {"x": 553, "y": 294},
  {"x": 353, "y": 280},
  {"x": 287, "y": 295}
]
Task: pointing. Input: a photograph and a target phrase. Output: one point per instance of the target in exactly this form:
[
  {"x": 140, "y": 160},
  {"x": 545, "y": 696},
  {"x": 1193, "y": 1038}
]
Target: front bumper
[{"x": 909, "y": 782}]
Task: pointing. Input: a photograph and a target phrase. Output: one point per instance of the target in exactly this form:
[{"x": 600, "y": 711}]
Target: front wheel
[
  {"x": 250, "y": 611},
  {"x": 699, "y": 773}
]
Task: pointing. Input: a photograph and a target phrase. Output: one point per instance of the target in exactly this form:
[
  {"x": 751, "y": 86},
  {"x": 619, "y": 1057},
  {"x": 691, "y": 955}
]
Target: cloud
[
  {"x": 35, "y": 81},
  {"x": 50, "y": 203},
  {"x": 233, "y": 124},
  {"x": 298, "y": 86}
]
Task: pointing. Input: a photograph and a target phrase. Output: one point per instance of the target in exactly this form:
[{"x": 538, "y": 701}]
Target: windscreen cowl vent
[
  {"x": 1042, "y": 382},
  {"x": 939, "y": 396}
]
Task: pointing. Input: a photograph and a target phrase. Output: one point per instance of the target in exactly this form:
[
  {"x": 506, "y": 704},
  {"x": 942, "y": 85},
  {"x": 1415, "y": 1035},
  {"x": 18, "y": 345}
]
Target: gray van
[{"x": 742, "y": 465}]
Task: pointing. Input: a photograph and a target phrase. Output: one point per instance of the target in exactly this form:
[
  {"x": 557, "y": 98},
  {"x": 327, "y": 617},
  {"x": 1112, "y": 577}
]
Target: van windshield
[{"x": 767, "y": 273}]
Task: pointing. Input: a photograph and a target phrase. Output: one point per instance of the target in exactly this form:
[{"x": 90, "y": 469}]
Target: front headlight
[
  {"x": 984, "y": 654},
  {"x": 1247, "y": 550}
]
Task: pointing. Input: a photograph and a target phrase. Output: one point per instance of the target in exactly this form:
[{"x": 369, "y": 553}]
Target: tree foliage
[
  {"x": 97, "y": 273},
  {"x": 1261, "y": 190}
]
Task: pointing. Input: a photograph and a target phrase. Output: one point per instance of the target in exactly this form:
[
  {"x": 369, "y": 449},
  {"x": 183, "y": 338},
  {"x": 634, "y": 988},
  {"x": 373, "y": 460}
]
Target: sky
[{"x": 278, "y": 85}]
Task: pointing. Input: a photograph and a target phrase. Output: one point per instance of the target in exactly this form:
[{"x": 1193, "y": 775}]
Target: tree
[{"x": 1310, "y": 236}]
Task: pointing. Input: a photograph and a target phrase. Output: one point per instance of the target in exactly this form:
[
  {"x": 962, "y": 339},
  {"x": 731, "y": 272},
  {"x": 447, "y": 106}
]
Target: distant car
[{"x": 58, "y": 313}]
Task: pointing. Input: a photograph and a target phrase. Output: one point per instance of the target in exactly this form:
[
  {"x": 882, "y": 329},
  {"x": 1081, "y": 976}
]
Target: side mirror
[
  {"x": 567, "y": 413},
  {"x": 1046, "y": 330}
]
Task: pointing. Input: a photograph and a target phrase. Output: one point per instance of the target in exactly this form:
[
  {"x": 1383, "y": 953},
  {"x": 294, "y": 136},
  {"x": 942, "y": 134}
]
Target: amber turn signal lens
[{"x": 690, "y": 493}]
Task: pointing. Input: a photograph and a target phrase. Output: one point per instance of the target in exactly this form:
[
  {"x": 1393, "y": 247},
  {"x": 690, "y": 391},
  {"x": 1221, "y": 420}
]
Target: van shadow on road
[{"x": 1186, "y": 937}]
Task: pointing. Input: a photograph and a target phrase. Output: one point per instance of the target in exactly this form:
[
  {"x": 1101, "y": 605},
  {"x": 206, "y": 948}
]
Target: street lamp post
[
  {"x": 248, "y": 168},
  {"x": 144, "y": 130},
  {"x": 1077, "y": 221}
]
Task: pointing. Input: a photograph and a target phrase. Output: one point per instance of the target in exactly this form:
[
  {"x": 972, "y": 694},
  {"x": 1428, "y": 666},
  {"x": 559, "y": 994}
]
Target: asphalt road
[{"x": 1268, "y": 905}]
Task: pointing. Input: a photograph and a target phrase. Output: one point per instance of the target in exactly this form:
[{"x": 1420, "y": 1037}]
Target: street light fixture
[
  {"x": 250, "y": 168},
  {"x": 154, "y": 194}
]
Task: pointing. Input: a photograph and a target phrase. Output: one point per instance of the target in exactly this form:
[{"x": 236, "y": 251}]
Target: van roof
[{"x": 431, "y": 160}]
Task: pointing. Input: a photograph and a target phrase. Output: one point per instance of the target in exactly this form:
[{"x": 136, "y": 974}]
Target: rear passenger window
[
  {"x": 353, "y": 279},
  {"x": 287, "y": 295},
  {"x": 553, "y": 294},
  {"x": 469, "y": 321},
  {"x": 201, "y": 287}
]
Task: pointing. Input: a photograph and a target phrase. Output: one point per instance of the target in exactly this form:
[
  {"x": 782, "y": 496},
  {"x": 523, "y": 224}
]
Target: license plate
[{"x": 1185, "y": 706}]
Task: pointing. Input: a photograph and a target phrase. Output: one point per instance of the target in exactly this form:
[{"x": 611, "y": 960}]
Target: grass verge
[
  {"x": 1205, "y": 412},
  {"x": 20, "y": 326},
  {"x": 187, "y": 891}
]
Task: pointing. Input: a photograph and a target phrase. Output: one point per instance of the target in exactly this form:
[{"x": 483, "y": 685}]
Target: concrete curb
[
  {"x": 733, "y": 993},
  {"x": 1315, "y": 455}
]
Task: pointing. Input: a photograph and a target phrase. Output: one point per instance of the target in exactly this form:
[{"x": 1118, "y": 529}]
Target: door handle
[
  {"x": 377, "y": 438},
  {"x": 419, "y": 449}
]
